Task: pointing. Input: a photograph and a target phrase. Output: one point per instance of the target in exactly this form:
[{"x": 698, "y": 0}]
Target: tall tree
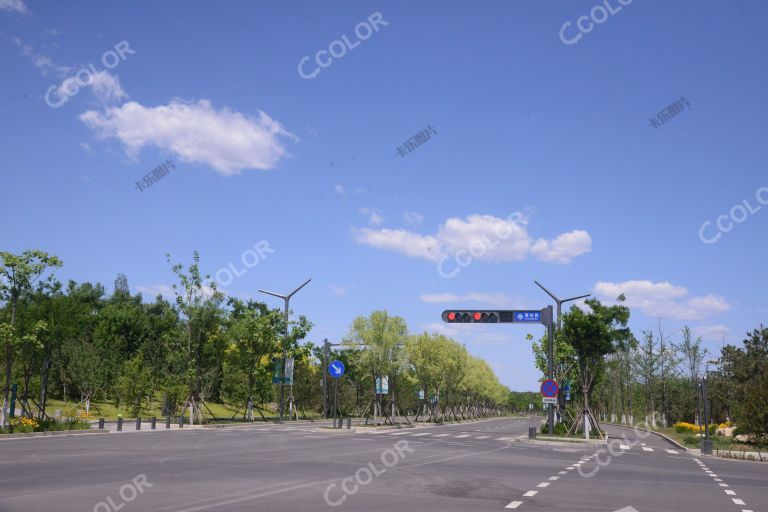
[
  {"x": 383, "y": 337},
  {"x": 594, "y": 335},
  {"x": 692, "y": 354},
  {"x": 18, "y": 276}
]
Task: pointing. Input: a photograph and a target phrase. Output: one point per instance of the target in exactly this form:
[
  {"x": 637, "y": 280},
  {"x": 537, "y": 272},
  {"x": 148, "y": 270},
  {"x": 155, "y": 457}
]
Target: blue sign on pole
[
  {"x": 527, "y": 316},
  {"x": 336, "y": 369}
]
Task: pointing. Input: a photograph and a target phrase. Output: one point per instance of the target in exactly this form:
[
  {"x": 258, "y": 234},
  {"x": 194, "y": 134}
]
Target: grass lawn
[{"x": 108, "y": 410}]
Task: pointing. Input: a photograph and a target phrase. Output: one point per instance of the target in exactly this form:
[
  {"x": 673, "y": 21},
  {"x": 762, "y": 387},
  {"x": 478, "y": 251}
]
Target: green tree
[
  {"x": 383, "y": 337},
  {"x": 594, "y": 335},
  {"x": 18, "y": 276}
]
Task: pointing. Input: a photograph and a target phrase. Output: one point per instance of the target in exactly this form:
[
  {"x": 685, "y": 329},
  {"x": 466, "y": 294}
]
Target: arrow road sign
[
  {"x": 336, "y": 369},
  {"x": 549, "y": 388}
]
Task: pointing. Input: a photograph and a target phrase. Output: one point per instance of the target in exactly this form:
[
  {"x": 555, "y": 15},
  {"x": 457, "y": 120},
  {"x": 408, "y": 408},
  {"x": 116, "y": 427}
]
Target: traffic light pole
[{"x": 550, "y": 367}]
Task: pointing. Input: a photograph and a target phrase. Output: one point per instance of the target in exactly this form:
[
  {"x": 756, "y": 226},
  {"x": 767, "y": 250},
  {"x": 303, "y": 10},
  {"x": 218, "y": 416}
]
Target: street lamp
[
  {"x": 551, "y": 350},
  {"x": 287, "y": 299},
  {"x": 559, "y": 302}
]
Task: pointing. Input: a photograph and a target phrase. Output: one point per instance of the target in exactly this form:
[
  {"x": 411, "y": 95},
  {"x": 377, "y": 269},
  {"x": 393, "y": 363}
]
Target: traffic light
[{"x": 475, "y": 316}]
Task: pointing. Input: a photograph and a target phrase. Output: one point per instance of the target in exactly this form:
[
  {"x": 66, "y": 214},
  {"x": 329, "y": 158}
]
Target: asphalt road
[{"x": 478, "y": 466}]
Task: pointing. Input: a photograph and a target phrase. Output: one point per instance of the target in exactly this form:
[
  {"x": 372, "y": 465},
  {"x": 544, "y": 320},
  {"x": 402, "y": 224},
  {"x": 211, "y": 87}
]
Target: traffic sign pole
[{"x": 550, "y": 366}]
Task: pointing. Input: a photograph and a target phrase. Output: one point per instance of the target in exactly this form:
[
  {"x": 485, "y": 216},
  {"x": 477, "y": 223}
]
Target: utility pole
[
  {"x": 287, "y": 299},
  {"x": 550, "y": 368}
]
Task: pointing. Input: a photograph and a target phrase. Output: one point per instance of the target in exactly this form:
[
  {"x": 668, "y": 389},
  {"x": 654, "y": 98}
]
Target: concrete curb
[
  {"x": 553, "y": 441},
  {"x": 52, "y": 433},
  {"x": 680, "y": 446}
]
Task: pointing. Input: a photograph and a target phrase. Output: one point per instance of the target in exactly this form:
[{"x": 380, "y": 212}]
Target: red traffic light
[
  {"x": 451, "y": 316},
  {"x": 477, "y": 316}
]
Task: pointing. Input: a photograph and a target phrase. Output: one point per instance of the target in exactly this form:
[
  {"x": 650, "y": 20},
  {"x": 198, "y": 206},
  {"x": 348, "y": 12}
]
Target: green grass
[{"x": 108, "y": 410}]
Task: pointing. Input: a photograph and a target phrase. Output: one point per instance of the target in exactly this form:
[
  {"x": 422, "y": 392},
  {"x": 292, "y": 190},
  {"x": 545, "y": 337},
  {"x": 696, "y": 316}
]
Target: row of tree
[
  {"x": 658, "y": 377},
  {"x": 76, "y": 342}
]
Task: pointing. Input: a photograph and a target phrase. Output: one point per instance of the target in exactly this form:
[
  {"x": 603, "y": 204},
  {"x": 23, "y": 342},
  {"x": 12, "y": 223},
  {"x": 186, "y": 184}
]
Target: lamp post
[
  {"x": 550, "y": 349},
  {"x": 287, "y": 299}
]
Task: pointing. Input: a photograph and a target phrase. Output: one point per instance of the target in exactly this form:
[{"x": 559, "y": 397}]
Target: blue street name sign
[
  {"x": 336, "y": 369},
  {"x": 527, "y": 316}
]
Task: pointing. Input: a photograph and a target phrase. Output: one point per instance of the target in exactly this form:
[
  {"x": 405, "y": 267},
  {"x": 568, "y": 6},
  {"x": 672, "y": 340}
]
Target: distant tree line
[{"x": 76, "y": 342}]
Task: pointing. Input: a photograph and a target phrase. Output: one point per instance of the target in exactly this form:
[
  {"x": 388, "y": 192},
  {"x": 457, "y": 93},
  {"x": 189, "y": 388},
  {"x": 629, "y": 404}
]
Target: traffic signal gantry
[{"x": 514, "y": 316}]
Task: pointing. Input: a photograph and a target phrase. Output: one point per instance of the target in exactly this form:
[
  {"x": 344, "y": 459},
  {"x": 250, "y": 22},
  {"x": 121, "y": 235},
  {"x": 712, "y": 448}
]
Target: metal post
[
  {"x": 138, "y": 423},
  {"x": 326, "y": 346},
  {"x": 168, "y": 422},
  {"x": 550, "y": 368},
  {"x": 706, "y": 443},
  {"x": 287, "y": 299},
  {"x": 119, "y": 423},
  {"x": 335, "y": 395}
]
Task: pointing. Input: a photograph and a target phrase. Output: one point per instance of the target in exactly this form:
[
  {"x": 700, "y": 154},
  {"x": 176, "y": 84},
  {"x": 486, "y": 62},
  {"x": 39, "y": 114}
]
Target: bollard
[
  {"x": 349, "y": 422},
  {"x": 153, "y": 422},
  {"x": 181, "y": 421},
  {"x": 341, "y": 422},
  {"x": 706, "y": 447},
  {"x": 119, "y": 423},
  {"x": 168, "y": 422},
  {"x": 138, "y": 423},
  {"x": 531, "y": 432},
  {"x": 101, "y": 423}
]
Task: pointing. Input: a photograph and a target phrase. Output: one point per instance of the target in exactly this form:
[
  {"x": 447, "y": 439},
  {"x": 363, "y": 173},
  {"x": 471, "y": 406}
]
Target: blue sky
[{"x": 522, "y": 122}]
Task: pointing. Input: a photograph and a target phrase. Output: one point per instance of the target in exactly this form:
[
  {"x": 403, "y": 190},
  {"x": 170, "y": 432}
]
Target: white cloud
[
  {"x": 563, "y": 248},
  {"x": 374, "y": 215},
  {"x": 338, "y": 290},
  {"x": 469, "y": 333},
  {"x": 339, "y": 189},
  {"x": 711, "y": 332},
  {"x": 483, "y": 237},
  {"x": 497, "y": 299},
  {"x": 153, "y": 290},
  {"x": 105, "y": 86},
  {"x": 662, "y": 299},
  {"x": 413, "y": 218},
  {"x": 13, "y": 5},
  {"x": 224, "y": 139},
  {"x": 400, "y": 240}
]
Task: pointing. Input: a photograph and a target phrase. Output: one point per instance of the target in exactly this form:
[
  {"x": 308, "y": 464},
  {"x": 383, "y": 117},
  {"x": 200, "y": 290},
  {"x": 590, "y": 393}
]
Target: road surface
[{"x": 477, "y": 466}]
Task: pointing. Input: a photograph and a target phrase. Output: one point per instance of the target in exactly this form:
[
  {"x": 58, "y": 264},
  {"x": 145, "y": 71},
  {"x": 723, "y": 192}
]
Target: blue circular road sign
[{"x": 336, "y": 369}]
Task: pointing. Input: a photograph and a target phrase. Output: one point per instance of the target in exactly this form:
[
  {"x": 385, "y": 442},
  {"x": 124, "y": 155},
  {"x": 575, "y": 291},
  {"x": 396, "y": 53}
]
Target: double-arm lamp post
[
  {"x": 287, "y": 299},
  {"x": 550, "y": 348}
]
